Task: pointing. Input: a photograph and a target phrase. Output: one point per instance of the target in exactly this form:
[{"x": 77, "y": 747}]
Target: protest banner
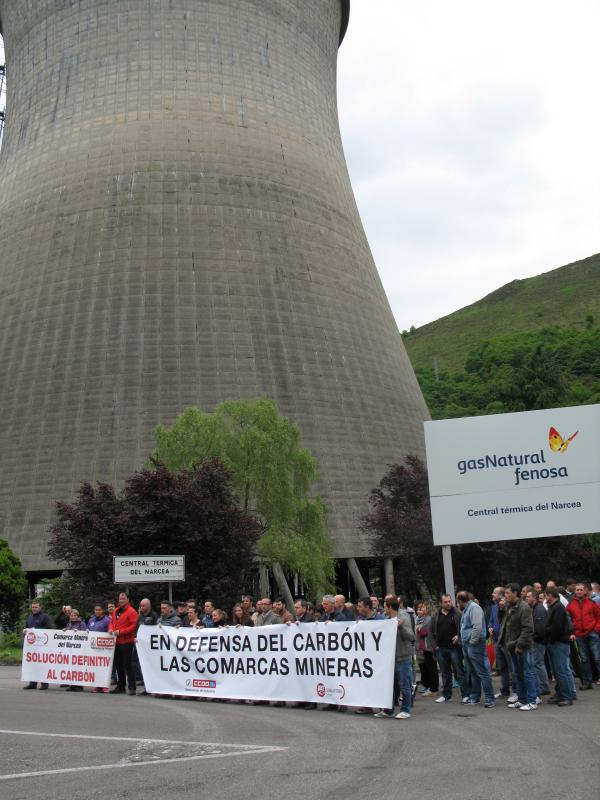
[
  {"x": 339, "y": 663},
  {"x": 79, "y": 658}
]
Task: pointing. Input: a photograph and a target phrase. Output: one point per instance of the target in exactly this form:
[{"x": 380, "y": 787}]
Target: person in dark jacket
[
  {"x": 181, "y": 609},
  {"x": 540, "y": 616},
  {"x": 445, "y": 629},
  {"x": 146, "y": 616},
  {"x": 503, "y": 662},
  {"x": 37, "y": 619},
  {"x": 342, "y": 612},
  {"x": 98, "y": 623},
  {"x": 558, "y": 636},
  {"x": 62, "y": 620},
  {"x": 168, "y": 617},
  {"x": 516, "y": 634},
  {"x": 301, "y": 611}
]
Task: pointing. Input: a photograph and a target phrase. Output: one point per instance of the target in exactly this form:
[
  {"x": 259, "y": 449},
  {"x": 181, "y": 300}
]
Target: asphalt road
[{"x": 114, "y": 747}]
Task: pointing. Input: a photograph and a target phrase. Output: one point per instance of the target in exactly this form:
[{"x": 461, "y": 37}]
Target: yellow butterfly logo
[{"x": 557, "y": 443}]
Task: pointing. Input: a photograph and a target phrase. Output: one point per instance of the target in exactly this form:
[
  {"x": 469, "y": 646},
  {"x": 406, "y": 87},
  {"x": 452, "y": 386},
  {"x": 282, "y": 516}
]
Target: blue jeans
[
  {"x": 478, "y": 666},
  {"x": 525, "y": 679},
  {"x": 539, "y": 666},
  {"x": 404, "y": 679},
  {"x": 450, "y": 660},
  {"x": 560, "y": 658},
  {"x": 589, "y": 652}
]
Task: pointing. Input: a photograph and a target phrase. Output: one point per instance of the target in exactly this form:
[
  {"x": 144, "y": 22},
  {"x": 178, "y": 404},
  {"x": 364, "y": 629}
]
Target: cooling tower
[{"x": 177, "y": 227}]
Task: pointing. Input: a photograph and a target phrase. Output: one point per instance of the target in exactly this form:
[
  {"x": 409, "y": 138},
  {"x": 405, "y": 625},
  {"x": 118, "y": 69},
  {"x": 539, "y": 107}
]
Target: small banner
[
  {"x": 79, "y": 658},
  {"x": 348, "y": 664}
]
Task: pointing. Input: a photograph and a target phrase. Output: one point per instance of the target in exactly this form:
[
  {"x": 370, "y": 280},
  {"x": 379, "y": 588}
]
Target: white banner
[
  {"x": 79, "y": 658},
  {"x": 349, "y": 664},
  {"x": 514, "y": 476}
]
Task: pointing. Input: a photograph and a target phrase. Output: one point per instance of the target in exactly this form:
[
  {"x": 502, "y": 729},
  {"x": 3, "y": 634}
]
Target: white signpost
[
  {"x": 513, "y": 476},
  {"x": 149, "y": 569}
]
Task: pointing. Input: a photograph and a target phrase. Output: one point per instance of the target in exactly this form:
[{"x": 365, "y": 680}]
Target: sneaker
[
  {"x": 465, "y": 700},
  {"x": 117, "y": 690},
  {"x": 403, "y": 715},
  {"x": 95, "y": 690},
  {"x": 563, "y": 703},
  {"x": 512, "y": 699},
  {"x": 131, "y": 691},
  {"x": 489, "y": 704},
  {"x": 538, "y": 701},
  {"x": 442, "y": 699},
  {"x": 528, "y": 707},
  {"x": 516, "y": 704},
  {"x": 471, "y": 702},
  {"x": 422, "y": 690},
  {"x": 427, "y": 693},
  {"x": 104, "y": 690},
  {"x": 383, "y": 715}
]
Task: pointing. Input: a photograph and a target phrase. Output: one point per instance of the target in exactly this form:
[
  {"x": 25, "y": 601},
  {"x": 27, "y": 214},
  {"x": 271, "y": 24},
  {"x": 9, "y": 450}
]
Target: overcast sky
[{"x": 472, "y": 135}]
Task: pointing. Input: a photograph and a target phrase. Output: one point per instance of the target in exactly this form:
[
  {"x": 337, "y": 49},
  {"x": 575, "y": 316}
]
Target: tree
[
  {"x": 400, "y": 524},
  {"x": 13, "y": 586},
  {"x": 272, "y": 474},
  {"x": 194, "y": 512}
]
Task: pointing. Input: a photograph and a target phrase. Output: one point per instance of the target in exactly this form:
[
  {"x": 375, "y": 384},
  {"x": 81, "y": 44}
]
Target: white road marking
[{"x": 232, "y": 750}]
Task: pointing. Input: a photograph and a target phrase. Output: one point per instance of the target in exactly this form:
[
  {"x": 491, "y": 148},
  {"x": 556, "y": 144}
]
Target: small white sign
[
  {"x": 514, "y": 476},
  {"x": 149, "y": 569}
]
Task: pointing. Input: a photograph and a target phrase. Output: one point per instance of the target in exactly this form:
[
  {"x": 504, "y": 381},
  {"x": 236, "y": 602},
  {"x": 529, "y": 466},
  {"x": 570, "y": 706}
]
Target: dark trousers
[
  {"x": 429, "y": 673},
  {"x": 124, "y": 665},
  {"x": 504, "y": 667}
]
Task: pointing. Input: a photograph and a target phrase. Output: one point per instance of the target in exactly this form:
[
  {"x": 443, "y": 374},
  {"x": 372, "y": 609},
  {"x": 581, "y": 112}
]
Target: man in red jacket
[
  {"x": 585, "y": 617},
  {"x": 123, "y": 625}
]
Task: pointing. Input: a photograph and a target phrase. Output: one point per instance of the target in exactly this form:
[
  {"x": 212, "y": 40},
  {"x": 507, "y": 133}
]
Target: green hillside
[{"x": 566, "y": 297}]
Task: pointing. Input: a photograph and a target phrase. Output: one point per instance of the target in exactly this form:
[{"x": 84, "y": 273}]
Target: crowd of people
[{"x": 529, "y": 637}]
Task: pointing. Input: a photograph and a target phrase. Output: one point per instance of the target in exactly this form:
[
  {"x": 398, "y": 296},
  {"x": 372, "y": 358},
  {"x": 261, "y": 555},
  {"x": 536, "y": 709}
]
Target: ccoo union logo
[
  {"x": 36, "y": 639},
  {"x": 335, "y": 692},
  {"x": 200, "y": 683},
  {"x": 99, "y": 642}
]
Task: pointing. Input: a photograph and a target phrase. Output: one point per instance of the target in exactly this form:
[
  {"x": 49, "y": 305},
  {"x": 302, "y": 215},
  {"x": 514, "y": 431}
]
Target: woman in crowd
[
  {"x": 220, "y": 618},
  {"x": 98, "y": 623},
  {"x": 425, "y": 650},
  {"x": 193, "y": 618},
  {"x": 75, "y": 624},
  {"x": 241, "y": 617}
]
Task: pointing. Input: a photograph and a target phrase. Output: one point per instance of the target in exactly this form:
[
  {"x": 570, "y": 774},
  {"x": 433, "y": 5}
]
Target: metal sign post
[{"x": 448, "y": 571}]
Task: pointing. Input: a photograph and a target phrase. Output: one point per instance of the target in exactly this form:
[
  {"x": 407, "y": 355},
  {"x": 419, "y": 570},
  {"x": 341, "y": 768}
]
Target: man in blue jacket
[{"x": 473, "y": 636}]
